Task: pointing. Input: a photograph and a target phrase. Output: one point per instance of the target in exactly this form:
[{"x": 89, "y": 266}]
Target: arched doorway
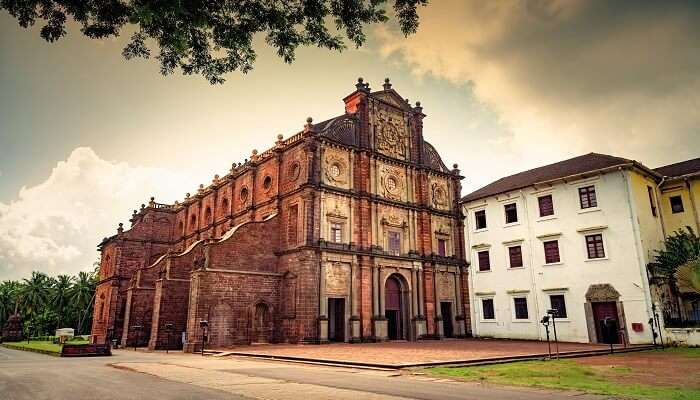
[
  {"x": 262, "y": 324},
  {"x": 395, "y": 309}
]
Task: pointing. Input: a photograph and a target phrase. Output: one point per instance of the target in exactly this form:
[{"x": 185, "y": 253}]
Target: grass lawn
[
  {"x": 40, "y": 345},
  {"x": 615, "y": 379}
]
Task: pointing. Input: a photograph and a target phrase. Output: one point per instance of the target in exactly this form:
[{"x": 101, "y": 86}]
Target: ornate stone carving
[
  {"x": 335, "y": 169},
  {"x": 446, "y": 286},
  {"x": 602, "y": 292},
  {"x": 391, "y": 134},
  {"x": 337, "y": 278},
  {"x": 439, "y": 195},
  {"x": 393, "y": 182}
]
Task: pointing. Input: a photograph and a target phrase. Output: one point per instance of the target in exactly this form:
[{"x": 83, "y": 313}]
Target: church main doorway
[
  {"x": 446, "y": 312},
  {"x": 394, "y": 309},
  {"x": 336, "y": 320}
]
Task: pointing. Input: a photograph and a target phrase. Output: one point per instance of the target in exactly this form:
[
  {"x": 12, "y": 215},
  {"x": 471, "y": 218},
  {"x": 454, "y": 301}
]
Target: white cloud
[
  {"x": 56, "y": 225},
  {"x": 567, "y": 76}
]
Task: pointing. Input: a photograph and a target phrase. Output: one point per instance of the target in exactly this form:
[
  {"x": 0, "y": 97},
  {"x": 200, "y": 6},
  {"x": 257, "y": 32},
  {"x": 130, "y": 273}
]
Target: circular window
[
  {"x": 294, "y": 171},
  {"x": 244, "y": 195},
  {"x": 267, "y": 183},
  {"x": 334, "y": 170}
]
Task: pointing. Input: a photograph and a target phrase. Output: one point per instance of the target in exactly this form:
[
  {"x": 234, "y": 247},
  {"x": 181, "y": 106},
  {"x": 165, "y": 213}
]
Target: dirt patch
[{"x": 662, "y": 368}]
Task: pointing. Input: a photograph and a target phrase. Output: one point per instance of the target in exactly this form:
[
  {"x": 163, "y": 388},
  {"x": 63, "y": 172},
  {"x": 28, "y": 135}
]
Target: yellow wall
[
  {"x": 650, "y": 231},
  {"x": 674, "y": 222}
]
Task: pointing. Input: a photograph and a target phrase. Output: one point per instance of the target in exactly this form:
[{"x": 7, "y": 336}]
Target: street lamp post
[
  {"x": 168, "y": 328},
  {"x": 553, "y": 313},
  {"x": 137, "y": 329},
  {"x": 545, "y": 323},
  {"x": 204, "y": 324}
]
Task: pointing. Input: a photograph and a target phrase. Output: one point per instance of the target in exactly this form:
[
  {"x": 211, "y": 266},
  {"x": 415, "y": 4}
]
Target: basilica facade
[{"x": 349, "y": 230}]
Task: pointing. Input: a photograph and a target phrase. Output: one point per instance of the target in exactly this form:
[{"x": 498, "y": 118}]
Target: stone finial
[
  {"x": 418, "y": 107},
  {"x": 152, "y": 201},
  {"x": 177, "y": 203},
  {"x": 143, "y": 206},
  {"x": 387, "y": 84},
  {"x": 201, "y": 188},
  {"x": 120, "y": 230},
  {"x": 216, "y": 178},
  {"x": 280, "y": 140},
  {"x": 455, "y": 169},
  {"x": 361, "y": 85},
  {"x": 135, "y": 212},
  {"x": 187, "y": 195},
  {"x": 254, "y": 155},
  {"x": 309, "y": 123}
]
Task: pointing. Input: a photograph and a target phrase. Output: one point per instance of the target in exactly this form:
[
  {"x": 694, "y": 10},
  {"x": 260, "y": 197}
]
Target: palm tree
[
  {"x": 9, "y": 291},
  {"x": 82, "y": 294},
  {"x": 60, "y": 296},
  {"x": 677, "y": 261},
  {"x": 35, "y": 293}
]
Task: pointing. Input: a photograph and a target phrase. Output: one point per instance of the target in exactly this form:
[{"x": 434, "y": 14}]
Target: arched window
[
  {"x": 193, "y": 221},
  {"x": 224, "y": 206},
  {"x": 207, "y": 215},
  {"x": 180, "y": 227}
]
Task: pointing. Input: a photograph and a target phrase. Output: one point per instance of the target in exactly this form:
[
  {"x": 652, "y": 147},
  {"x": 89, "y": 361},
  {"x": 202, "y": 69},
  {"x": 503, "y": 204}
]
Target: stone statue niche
[{"x": 12, "y": 331}]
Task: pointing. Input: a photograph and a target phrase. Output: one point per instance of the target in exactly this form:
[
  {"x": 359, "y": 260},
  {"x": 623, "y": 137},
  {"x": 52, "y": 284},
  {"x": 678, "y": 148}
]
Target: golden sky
[{"x": 86, "y": 136}]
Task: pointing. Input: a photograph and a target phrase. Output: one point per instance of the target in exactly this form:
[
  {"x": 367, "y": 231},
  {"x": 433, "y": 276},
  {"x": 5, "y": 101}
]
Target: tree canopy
[
  {"x": 47, "y": 303},
  {"x": 210, "y": 37}
]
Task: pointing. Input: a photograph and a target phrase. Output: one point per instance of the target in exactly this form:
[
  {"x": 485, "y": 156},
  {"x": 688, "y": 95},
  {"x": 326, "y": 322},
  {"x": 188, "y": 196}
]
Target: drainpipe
[
  {"x": 533, "y": 282},
  {"x": 660, "y": 207},
  {"x": 637, "y": 240},
  {"x": 470, "y": 274}
]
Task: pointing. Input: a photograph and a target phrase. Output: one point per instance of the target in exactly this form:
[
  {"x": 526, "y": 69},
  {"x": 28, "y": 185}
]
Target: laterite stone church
[{"x": 347, "y": 231}]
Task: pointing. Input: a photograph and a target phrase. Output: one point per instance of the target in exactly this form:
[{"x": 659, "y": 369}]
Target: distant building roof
[
  {"x": 681, "y": 168},
  {"x": 573, "y": 166}
]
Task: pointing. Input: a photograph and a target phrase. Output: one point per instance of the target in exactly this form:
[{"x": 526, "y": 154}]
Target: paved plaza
[
  {"x": 138, "y": 375},
  {"x": 407, "y": 354}
]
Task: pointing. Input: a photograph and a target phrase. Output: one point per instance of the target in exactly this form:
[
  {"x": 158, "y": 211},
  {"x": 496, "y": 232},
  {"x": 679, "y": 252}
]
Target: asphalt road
[
  {"x": 25, "y": 375},
  {"x": 32, "y": 376}
]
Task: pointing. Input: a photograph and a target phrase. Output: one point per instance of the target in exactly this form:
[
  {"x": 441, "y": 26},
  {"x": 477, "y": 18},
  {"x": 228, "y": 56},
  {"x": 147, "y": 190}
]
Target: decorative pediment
[
  {"x": 391, "y": 97},
  {"x": 443, "y": 229},
  {"x": 336, "y": 212},
  {"x": 394, "y": 220},
  {"x": 602, "y": 292}
]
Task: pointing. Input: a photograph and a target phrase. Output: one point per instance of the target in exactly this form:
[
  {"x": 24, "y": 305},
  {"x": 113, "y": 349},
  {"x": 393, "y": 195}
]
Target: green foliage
[
  {"x": 568, "y": 375},
  {"x": 45, "y": 303},
  {"x": 679, "y": 248},
  {"x": 212, "y": 38}
]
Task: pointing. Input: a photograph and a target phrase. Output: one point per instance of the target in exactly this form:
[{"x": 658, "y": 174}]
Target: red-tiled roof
[
  {"x": 680, "y": 168},
  {"x": 573, "y": 166}
]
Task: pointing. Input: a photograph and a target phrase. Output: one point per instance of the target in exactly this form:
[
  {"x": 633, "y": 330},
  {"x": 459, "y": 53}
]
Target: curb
[{"x": 20, "y": 348}]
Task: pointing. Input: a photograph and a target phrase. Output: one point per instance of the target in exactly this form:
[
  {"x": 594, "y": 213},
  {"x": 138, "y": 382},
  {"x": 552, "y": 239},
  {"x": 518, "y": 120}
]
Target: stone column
[
  {"x": 322, "y": 306},
  {"x": 439, "y": 332},
  {"x": 460, "y": 328},
  {"x": 354, "y": 316}
]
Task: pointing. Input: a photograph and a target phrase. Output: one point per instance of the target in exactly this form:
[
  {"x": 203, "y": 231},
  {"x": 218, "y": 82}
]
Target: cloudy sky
[{"x": 85, "y": 136}]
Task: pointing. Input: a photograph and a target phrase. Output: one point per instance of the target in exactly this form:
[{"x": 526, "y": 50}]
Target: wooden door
[{"x": 601, "y": 311}]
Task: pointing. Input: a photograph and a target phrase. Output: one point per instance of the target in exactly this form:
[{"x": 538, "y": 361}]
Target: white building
[{"x": 575, "y": 236}]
